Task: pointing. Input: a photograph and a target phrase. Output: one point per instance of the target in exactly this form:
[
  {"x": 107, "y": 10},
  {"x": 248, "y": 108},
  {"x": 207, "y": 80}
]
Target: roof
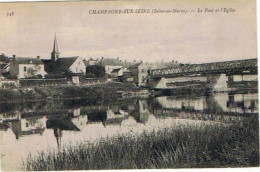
[
  {"x": 86, "y": 62},
  {"x": 4, "y": 66},
  {"x": 64, "y": 63},
  {"x": 61, "y": 64},
  {"x": 28, "y": 60},
  {"x": 135, "y": 66},
  {"x": 111, "y": 62},
  {"x": 116, "y": 70},
  {"x": 55, "y": 46}
]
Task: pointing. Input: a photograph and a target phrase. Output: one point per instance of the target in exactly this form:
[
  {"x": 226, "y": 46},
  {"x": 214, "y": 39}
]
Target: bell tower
[{"x": 55, "y": 52}]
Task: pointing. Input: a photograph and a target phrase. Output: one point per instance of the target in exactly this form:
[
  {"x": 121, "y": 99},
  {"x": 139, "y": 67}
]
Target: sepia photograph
[{"x": 112, "y": 85}]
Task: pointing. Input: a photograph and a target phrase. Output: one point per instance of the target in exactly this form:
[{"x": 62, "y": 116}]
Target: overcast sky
[{"x": 192, "y": 37}]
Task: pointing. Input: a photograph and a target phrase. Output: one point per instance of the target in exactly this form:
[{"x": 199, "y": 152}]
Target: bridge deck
[{"x": 208, "y": 68}]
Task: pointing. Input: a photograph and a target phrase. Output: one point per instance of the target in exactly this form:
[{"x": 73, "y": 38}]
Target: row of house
[{"x": 115, "y": 69}]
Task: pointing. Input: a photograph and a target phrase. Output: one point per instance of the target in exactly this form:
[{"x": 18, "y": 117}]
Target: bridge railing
[{"x": 217, "y": 67}]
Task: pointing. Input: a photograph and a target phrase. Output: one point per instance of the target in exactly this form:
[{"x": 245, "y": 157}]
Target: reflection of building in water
[
  {"x": 57, "y": 135},
  {"x": 68, "y": 123},
  {"x": 220, "y": 107},
  {"x": 80, "y": 121},
  {"x": 28, "y": 126},
  {"x": 243, "y": 103},
  {"x": 15, "y": 115},
  {"x": 115, "y": 118},
  {"x": 198, "y": 103},
  {"x": 238, "y": 103},
  {"x": 74, "y": 112},
  {"x": 116, "y": 114},
  {"x": 195, "y": 115},
  {"x": 140, "y": 112},
  {"x": 97, "y": 117},
  {"x": 4, "y": 126},
  {"x": 144, "y": 111}
]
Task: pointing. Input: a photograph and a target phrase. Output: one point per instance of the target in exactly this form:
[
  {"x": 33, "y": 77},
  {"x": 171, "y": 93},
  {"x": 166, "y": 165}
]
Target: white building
[{"x": 25, "y": 67}]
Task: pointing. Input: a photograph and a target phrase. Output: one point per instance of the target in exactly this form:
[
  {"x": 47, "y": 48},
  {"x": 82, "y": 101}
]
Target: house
[
  {"x": 127, "y": 77},
  {"x": 111, "y": 64},
  {"x": 116, "y": 73},
  {"x": 110, "y": 68},
  {"x": 63, "y": 65},
  {"x": 4, "y": 64},
  {"x": 141, "y": 70},
  {"x": 26, "y": 67},
  {"x": 134, "y": 73}
]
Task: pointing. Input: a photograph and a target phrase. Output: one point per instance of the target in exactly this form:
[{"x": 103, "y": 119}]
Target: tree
[
  {"x": 95, "y": 71},
  {"x": 33, "y": 70}
]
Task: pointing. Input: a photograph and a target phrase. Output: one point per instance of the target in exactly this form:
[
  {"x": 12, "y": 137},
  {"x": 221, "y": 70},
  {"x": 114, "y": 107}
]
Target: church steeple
[{"x": 55, "y": 52}]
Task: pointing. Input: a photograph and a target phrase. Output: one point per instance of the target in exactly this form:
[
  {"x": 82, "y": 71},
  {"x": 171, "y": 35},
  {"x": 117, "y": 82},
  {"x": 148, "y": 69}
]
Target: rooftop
[{"x": 28, "y": 60}]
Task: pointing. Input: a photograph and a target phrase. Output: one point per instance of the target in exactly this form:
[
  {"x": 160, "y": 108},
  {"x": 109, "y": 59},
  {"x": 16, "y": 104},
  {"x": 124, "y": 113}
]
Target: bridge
[
  {"x": 227, "y": 67},
  {"x": 217, "y": 76}
]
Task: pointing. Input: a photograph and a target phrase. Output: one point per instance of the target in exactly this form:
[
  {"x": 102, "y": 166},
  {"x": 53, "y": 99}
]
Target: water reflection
[{"x": 58, "y": 120}]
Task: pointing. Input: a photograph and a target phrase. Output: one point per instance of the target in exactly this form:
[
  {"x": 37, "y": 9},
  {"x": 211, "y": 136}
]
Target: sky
[{"x": 185, "y": 37}]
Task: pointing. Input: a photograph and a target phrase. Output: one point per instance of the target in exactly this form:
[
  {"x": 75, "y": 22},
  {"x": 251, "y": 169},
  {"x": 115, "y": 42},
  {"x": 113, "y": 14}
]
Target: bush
[{"x": 95, "y": 71}]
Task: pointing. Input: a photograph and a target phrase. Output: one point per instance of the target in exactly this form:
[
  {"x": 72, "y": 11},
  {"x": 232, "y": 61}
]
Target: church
[{"x": 63, "y": 65}]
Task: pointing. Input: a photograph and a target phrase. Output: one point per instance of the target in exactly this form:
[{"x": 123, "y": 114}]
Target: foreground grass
[{"x": 234, "y": 145}]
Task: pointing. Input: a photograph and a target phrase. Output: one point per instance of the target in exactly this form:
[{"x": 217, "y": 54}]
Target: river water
[{"x": 32, "y": 127}]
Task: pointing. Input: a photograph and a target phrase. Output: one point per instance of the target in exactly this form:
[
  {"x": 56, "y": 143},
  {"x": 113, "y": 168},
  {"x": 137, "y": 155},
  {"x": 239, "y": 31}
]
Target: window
[
  {"x": 24, "y": 68},
  {"x": 143, "y": 70}
]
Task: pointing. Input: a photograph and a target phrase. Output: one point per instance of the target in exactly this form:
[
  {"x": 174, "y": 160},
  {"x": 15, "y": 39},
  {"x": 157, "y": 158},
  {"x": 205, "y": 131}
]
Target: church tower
[{"x": 55, "y": 52}]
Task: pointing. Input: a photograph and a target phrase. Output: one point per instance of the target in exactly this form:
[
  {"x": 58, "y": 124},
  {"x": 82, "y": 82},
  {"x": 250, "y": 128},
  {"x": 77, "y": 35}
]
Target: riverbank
[
  {"x": 218, "y": 145},
  {"x": 101, "y": 91}
]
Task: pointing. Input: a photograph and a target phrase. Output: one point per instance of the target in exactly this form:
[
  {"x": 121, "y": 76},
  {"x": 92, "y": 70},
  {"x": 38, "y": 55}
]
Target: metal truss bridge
[{"x": 227, "y": 67}]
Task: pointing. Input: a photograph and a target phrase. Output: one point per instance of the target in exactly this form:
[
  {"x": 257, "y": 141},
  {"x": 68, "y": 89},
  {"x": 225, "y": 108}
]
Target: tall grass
[{"x": 234, "y": 145}]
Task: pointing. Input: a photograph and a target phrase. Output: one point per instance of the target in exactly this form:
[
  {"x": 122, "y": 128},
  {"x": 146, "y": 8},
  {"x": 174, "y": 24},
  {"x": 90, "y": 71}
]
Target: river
[{"x": 35, "y": 126}]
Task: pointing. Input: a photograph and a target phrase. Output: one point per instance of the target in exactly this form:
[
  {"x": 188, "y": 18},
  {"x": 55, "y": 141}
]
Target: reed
[{"x": 235, "y": 145}]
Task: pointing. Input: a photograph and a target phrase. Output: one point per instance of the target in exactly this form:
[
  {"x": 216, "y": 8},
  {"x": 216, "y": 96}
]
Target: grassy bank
[
  {"x": 104, "y": 91},
  {"x": 235, "y": 145}
]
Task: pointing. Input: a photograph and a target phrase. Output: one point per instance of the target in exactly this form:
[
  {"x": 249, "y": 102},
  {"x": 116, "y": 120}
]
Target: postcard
[{"x": 109, "y": 85}]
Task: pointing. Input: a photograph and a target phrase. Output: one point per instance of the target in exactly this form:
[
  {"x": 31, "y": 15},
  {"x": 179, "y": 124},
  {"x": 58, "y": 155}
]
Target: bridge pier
[
  {"x": 220, "y": 83},
  {"x": 208, "y": 83}
]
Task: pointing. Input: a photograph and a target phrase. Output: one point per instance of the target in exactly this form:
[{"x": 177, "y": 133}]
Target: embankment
[{"x": 101, "y": 91}]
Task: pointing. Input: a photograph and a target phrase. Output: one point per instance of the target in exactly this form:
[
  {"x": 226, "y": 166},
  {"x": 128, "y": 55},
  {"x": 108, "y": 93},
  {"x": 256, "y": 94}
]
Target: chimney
[
  {"x": 14, "y": 57},
  {"x": 38, "y": 57},
  {"x": 117, "y": 58}
]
